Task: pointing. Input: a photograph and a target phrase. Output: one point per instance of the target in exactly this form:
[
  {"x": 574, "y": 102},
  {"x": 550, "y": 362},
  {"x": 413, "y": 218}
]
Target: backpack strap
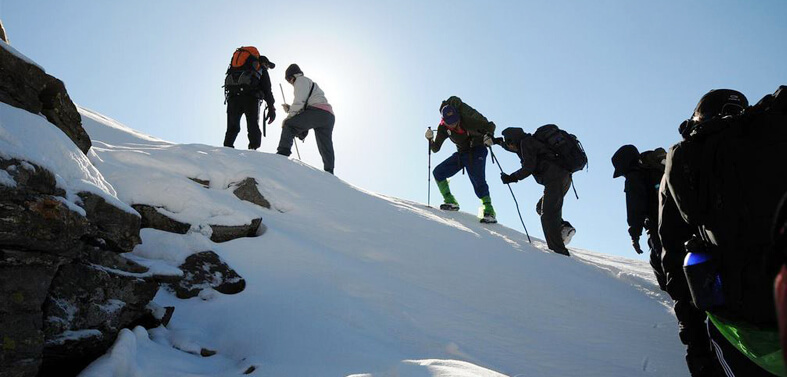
[{"x": 306, "y": 103}]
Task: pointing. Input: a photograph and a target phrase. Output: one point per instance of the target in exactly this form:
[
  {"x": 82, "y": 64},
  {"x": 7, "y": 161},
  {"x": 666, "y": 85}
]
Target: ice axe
[{"x": 294, "y": 140}]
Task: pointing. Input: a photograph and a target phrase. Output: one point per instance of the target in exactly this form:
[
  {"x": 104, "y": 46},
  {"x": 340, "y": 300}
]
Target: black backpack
[
  {"x": 727, "y": 177},
  {"x": 570, "y": 154},
  {"x": 242, "y": 78},
  {"x": 653, "y": 163}
]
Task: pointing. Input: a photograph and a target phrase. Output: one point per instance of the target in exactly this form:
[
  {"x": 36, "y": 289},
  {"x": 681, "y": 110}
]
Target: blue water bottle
[{"x": 702, "y": 275}]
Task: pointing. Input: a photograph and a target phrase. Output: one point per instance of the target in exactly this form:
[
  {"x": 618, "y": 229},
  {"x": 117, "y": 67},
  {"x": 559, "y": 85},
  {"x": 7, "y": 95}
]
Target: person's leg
[
  {"x": 445, "y": 170},
  {"x": 323, "y": 132},
  {"x": 234, "y": 112},
  {"x": 655, "y": 259},
  {"x": 290, "y": 128},
  {"x": 731, "y": 359},
  {"x": 552, "y": 212},
  {"x": 252, "y": 111},
  {"x": 476, "y": 171}
]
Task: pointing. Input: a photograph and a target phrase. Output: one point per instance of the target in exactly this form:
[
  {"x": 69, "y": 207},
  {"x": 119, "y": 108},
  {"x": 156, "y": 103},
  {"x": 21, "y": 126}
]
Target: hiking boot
[
  {"x": 489, "y": 218},
  {"x": 449, "y": 207},
  {"x": 567, "y": 232}
]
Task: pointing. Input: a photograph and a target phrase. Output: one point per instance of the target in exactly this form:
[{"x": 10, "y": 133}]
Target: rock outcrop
[
  {"x": 27, "y": 86},
  {"x": 247, "y": 190},
  {"x": 65, "y": 293},
  {"x": 155, "y": 219},
  {"x": 206, "y": 270},
  {"x": 224, "y": 233}
]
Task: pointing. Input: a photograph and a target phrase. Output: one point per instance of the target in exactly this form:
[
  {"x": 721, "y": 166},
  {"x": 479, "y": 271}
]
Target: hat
[
  {"x": 512, "y": 136},
  {"x": 624, "y": 159},
  {"x": 720, "y": 102},
  {"x": 291, "y": 71},
  {"x": 267, "y": 63},
  {"x": 450, "y": 115}
]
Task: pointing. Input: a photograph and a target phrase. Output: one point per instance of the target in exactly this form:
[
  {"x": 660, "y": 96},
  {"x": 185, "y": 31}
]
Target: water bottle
[{"x": 702, "y": 275}]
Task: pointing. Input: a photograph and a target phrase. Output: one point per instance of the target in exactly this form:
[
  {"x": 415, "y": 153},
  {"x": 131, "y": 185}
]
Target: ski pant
[
  {"x": 311, "y": 118},
  {"x": 655, "y": 257},
  {"x": 693, "y": 333},
  {"x": 474, "y": 161},
  {"x": 732, "y": 361},
  {"x": 236, "y": 107},
  {"x": 550, "y": 208}
]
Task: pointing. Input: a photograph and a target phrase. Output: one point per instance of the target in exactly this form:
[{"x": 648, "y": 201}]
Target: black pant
[
  {"x": 312, "y": 118},
  {"x": 236, "y": 107},
  {"x": 550, "y": 207}
]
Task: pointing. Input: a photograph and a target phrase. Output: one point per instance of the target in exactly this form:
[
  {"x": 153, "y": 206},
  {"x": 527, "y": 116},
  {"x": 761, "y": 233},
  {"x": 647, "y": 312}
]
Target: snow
[
  {"x": 31, "y": 137},
  {"x": 75, "y": 335},
  {"x": 347, "y": 282},
  {"x": 6, "y": 179}
]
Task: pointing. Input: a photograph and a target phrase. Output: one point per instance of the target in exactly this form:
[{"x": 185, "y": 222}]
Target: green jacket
[{"x": 472, "y": 127}]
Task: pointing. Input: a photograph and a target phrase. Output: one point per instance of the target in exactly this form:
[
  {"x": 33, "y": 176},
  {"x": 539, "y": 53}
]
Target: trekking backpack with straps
[
  {"x": 727, "y": 177},
  {"x": 654, "y": 162},
  {"x": 243, "y": 75},
  {"x": 570, "y": 154}
]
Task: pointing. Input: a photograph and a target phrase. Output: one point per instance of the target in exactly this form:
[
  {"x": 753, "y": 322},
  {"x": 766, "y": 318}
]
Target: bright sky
[{"x": 612, "y": 72}]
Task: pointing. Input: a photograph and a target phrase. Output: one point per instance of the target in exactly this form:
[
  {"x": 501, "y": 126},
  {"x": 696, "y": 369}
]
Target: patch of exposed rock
[
  {"x": 206, "y": 270},
  {"x": 27, "y": 86}
]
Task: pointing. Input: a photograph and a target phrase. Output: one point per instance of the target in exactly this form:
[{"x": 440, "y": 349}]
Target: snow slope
[{"x": 347, "y": 282}]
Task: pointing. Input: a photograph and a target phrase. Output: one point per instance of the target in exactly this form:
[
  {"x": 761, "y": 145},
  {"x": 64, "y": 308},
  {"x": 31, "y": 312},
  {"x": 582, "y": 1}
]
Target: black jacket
[
  {"x": 642, "y": 201},
  {"x": 536, "y": 158}
]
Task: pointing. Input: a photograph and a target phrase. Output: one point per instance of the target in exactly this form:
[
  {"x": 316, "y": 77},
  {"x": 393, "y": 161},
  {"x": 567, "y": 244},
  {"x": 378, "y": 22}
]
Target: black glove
[
  {"x": 303, "y": 135},
  {"x": 499, "y": 140},
  {"x": 635, "y": 243},
  {"x": 271, "y": 114},
  {"x": 506, "y": 178}
]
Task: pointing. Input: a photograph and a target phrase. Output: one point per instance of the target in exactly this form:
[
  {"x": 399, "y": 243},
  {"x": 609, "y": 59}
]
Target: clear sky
[{"x": 612, "y": 72}]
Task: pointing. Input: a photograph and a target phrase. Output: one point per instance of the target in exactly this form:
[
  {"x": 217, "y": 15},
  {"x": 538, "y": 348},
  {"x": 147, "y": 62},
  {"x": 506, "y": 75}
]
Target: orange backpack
[{"x": 241, "y": 57}]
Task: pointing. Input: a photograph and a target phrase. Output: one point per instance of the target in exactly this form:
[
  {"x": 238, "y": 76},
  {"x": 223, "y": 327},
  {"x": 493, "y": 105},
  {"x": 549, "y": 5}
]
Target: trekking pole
[
  {"x": 429, "y": 173},
  {"x": 495, "y": 161},
  {"x": 294, "y": 140},
  {"x": 264, "y": 115}
]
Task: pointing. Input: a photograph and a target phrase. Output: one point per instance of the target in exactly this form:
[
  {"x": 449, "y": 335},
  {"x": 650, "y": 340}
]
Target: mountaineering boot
[
  {"x": 488, "y": 216},
  {"x": 567, "y": 232},
  {"x": 449, "y": 202}
]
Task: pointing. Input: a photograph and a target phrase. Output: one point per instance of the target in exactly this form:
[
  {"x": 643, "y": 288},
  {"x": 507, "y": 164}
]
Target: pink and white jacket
[{"x": 302, "y": 86}]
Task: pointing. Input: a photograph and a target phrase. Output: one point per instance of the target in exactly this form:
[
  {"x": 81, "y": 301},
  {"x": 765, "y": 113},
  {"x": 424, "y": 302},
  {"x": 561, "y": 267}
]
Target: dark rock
[
  {"x": 112, "y": 261},
  {"x": 204, "y": 183},
  {"x": 87, "y": 296},
  {"x": 31, "y": 178},
  {"x": 206, "y": 352},
  {"x": 153, "y": 218},
  {"x": 24, "y": 280},
  {"x": 69, "y": 355},
  {"x": 250, "y": 370},
  {"x": 28, "y": 87},
  {"x": 247, "y": 190},
  {"x": 118, "y": 228},
  {"x": 39, "y": 222},
  {"x": 224, "y": 233},
  {"x": 92, "y": 301},
  {"x": 206, "y": 270}
]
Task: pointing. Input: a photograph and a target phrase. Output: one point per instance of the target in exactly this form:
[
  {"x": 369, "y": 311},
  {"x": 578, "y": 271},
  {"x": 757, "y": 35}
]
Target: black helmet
[
  {"x": 624, "y": 160},
  {"x": 720, "y": 102},
  {"x": 291, "y": 71}
]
